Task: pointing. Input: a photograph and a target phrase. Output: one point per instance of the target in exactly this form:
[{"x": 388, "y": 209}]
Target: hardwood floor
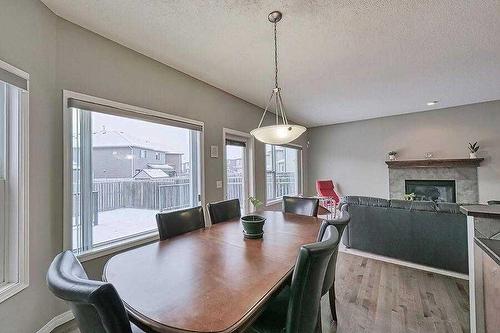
[{"x": 378, "y": 297}]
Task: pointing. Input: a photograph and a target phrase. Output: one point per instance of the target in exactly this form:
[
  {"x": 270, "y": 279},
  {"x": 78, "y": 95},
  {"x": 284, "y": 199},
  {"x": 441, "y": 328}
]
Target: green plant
[
  {"x": 409, "y": 197},
  {"x": 473, "y": 147},
  {"x": 255, "y": 202}
]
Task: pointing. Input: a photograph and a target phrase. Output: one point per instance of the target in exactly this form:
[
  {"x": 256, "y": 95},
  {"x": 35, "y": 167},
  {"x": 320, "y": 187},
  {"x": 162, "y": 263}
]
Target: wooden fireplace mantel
[{"x": 435, "y": 163}]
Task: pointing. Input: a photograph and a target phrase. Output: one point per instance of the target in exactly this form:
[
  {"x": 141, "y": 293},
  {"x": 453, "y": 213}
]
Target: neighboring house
[
  {"x": 185, "y": 167},
  {"x": 151, "y": 174},
  {"x": 119, "y": 155},
  {"x": 286, "y": 159},
  {"x": 234, "y": 166}
]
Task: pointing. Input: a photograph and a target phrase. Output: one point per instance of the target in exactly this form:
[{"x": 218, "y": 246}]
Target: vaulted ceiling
[{"x": 339, "y": 60}]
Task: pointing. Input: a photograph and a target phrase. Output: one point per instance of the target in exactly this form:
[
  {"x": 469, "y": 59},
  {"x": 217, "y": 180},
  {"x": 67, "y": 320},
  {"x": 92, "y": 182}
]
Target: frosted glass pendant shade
[{"x": 278, "y": 134}]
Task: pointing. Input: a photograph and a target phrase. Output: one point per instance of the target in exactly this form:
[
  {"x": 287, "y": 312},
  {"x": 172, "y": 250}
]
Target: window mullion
[
  {"x": 86, "y": 179},
  {"x": 275, "y": 185},
  {"x": 4, "y": 251}
]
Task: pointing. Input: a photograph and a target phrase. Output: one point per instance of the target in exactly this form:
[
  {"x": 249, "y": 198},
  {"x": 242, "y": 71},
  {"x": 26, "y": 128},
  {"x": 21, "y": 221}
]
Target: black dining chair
[
  {"x": 178, "y": 222},
  {"x": 329, "y": 284},
  {"x": 301, "y": 206},
  {"x": 494, "y": 202},
  {"x": 224, "y": 210},
  {"x": 296, "y": 309},
  {"x": 96, "y": 305}
]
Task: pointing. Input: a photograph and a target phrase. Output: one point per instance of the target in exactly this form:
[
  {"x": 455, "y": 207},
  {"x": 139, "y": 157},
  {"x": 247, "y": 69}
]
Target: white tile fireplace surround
[{"x": 465, "y": 177}]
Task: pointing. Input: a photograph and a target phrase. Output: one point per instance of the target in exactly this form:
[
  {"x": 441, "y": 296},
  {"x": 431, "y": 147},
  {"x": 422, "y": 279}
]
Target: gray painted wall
[
  {"x": 353, "y": 154},
  {"x": 60, "y": 55},
  {"x": 28, "y": 41}
]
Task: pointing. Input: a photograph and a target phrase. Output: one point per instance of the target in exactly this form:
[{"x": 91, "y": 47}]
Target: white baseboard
[
  {"x": 57, "y": 321},
  {"x": 343, "y": 248}
]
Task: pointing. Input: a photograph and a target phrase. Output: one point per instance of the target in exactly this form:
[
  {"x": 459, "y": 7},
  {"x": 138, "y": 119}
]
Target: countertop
[
  {"x": 491, "y": 247},
  {"x": 491, "y": 211}
]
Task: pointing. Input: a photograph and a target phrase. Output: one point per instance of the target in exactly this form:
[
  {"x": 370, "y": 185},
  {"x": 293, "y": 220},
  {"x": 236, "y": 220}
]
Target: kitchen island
[{"x": 483, "y": 236}]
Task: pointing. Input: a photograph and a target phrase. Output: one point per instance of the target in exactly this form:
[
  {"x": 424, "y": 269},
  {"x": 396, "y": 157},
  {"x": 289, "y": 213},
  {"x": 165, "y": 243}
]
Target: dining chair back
[
  {"x": 178, "y": 222},
  {"x": 307, "y": 282},
  {"x": 329, "y": 283},
  {"x": 224, "y": 210},
  {"x": 301, "y": 206},
  {"x": 96, "y": 305}
]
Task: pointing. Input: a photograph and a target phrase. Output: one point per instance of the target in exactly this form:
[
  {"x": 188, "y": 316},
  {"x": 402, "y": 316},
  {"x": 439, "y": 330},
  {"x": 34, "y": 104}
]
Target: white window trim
[
  {"x": 9, "y": 289},
  {"x": 300, "y": 174},
  {"x": 226, "y": 132},
  {"x": 126, "y": 243}
]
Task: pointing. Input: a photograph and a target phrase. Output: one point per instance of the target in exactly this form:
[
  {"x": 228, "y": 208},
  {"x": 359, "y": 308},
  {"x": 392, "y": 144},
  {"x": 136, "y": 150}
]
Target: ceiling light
[
  {"x": 278, "y": 133},
  {"x": 432, "y": 103}
]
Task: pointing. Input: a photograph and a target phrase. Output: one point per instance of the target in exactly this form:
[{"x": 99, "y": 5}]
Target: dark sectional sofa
[{"x": 422, "y": 232}]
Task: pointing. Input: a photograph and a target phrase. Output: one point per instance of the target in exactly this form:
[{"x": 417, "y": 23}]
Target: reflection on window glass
[
  {"x": 3, "y": 214},
  {"x": 3, "y": 87},
  {"x": 124, "y": 172},
  {"x": 282, "y": 171},
  {"x": 235, "y": 173}
]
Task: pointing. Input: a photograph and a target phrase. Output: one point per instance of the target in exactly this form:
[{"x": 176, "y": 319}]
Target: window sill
[
  {"x": 273, "y": 202},
  {"x": 118, "y": 246},
  {"x": 9, "y": 289},
  {"x": 280, "y": 199}
]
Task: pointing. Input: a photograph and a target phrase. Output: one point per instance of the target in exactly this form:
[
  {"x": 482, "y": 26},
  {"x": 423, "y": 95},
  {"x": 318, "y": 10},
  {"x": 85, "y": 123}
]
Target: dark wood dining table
[{"x": 212, "y": 279}]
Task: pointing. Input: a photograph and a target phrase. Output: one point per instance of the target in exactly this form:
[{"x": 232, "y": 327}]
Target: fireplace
[{"x": 432, "y": 190}]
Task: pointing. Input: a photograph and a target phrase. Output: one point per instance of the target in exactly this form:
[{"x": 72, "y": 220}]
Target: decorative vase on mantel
[
  {"x": 473, "y": 148},
  {"x": 392, "y": 155}
]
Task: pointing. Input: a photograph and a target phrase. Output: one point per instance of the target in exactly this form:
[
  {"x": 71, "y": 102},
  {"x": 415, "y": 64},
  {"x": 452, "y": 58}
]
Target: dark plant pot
[{"x": 253, "y": 225}]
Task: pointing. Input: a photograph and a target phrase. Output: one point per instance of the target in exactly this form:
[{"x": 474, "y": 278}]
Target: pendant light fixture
[{"x": 278, "y": 133}]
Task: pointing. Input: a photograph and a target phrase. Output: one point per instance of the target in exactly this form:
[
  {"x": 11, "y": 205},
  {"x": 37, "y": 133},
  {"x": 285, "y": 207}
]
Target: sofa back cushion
[{"x": 417, "y": 231}]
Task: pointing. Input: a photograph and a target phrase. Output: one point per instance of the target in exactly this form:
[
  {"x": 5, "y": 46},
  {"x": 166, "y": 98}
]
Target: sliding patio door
[{"x": 238, "y": 171}]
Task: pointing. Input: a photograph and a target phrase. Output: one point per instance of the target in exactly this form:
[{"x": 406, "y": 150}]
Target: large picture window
[
  {"x": 127, "y": 167},
  {"x": 283, "y": 171},
  {"x": 13, "y": 180}
]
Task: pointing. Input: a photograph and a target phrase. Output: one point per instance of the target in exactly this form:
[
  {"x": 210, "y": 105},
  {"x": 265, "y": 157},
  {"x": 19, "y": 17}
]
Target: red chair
[{"x": 327, "y": 195}]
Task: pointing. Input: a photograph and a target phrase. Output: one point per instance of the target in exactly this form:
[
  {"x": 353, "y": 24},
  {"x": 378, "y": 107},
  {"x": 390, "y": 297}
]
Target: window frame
[
  {"x": 300, "y": 173},
  {"x": 119, "y": 244},
  {"x": 228, "y": 133},
  {"x": 16, "y": 225}
]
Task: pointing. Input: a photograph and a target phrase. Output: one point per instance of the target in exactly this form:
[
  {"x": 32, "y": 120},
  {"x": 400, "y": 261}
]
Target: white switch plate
[
  {"x": 214, "y": 151},
  {"x": 218, "y": 183}
]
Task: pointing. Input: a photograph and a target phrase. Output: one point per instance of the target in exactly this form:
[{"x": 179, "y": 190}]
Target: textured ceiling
[{"x": 339, "y": 60}]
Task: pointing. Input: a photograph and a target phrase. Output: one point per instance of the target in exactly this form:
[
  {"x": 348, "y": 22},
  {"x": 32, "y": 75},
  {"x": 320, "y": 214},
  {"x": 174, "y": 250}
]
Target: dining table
[{"x": 211, "y": 279}]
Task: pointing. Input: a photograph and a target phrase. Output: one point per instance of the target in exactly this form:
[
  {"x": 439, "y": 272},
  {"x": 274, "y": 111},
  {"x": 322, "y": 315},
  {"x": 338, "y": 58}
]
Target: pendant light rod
[
  {"x": 274, "y": 18},
  {"x": 276, "y": 134},
  {"x": 275, "y": 57}
]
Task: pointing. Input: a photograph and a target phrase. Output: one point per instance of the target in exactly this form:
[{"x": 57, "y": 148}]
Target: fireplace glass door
[{"x": 432, "y": 190}]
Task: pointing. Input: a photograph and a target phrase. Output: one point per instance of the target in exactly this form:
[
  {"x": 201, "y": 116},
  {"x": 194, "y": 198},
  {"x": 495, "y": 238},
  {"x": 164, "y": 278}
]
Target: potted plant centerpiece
[
  {"x": 392, "y": 155},
  {"x": 473, "y": 148},
  {"x": 253, "y": 224}
]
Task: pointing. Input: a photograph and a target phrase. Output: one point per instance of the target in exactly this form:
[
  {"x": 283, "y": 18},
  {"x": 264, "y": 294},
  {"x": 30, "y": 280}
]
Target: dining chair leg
[
  {"x": 319, "y": 328},
  {"x": 331, "y": 298}
]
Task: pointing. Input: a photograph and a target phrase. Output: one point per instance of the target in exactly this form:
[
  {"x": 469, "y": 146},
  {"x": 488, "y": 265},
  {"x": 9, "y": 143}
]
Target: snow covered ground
[{"x": 123, "y": 222}]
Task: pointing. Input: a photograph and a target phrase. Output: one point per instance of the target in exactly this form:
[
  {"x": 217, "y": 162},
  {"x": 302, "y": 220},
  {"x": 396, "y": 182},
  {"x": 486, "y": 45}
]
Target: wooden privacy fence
[{"x": 166, "y": 194}]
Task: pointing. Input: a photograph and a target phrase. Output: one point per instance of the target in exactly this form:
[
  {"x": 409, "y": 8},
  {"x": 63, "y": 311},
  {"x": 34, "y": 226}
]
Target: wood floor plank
[{"x": 378, "y": 297}]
